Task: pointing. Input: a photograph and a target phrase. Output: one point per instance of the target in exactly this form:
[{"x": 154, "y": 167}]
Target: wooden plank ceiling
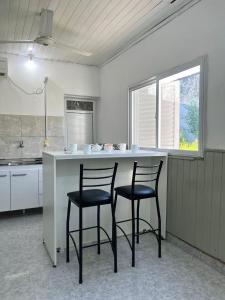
[{"x": 102, "y": 27}]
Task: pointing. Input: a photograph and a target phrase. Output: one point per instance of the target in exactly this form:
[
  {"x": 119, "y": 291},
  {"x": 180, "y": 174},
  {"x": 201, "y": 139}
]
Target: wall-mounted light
[{"x": 30, "y": 64}]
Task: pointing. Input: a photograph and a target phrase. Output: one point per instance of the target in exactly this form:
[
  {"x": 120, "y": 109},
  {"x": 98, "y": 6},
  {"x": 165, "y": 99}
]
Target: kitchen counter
[
  {"x": 61, "y": 175},
  {"x": 104, "y": 154}
]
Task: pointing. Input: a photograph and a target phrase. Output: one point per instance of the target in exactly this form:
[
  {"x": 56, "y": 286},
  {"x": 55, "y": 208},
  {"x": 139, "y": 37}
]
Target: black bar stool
[
  {"x": 137, "y": 192},
  {"x": 88, "y": 198}
]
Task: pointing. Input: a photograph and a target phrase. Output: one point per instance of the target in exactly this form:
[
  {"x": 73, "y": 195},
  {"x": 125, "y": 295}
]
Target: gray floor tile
[{"x": 26, "y": 272}]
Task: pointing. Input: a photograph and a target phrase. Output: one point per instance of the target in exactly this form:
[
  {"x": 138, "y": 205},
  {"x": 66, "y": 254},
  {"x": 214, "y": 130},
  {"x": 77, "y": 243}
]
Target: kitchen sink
[{"x": 20, "y": 161}]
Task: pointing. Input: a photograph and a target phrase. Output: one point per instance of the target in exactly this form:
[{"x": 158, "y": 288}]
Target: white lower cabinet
[
  {"x": 20, "y": 187},
  {"x": 4, "y": 190},
  {"x": 40, "y": 187},
  {"x": 24, "y": 189}
]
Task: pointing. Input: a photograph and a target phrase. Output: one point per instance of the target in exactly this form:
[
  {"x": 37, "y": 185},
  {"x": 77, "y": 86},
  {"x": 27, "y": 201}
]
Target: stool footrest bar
[
  {"x": 152, "y": 230},
  {"x": 96, "y": 244},
  {"x": 87, "y": 228},
  {"x": 87, "y": 246},
  {"x": 123, "y": 221}
]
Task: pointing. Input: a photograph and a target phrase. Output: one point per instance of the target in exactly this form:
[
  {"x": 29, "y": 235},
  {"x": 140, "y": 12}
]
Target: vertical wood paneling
[
  {"x": 196, "y": 202},
  {"x": 185, "y": 211},
  {"x": 215, "y": 203},
  {"x": 170, "y": 199},
  {"x": 221, "y": 242},
  {"x": 179, "y": 198},
  {"x": 206, "y": 207},
  {"x": 199, "y": 226},
  {"x": 190, "y": 171}
]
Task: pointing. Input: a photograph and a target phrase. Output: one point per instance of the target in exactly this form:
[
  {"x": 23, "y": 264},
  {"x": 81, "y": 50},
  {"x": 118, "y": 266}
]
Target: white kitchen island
[{"x": 61, "y": 175}]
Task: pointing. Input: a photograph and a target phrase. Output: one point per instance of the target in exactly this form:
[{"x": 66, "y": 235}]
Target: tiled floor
[{"x": 26, "y": 272}]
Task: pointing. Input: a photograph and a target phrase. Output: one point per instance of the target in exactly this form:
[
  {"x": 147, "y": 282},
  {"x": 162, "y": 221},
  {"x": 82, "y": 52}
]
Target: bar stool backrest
[
  {"x": 87, "y": 178},
  {"x": 155, "y": 172}
]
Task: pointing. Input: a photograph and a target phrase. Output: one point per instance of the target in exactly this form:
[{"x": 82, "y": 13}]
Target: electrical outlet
[{"x": 46, "y": 143}]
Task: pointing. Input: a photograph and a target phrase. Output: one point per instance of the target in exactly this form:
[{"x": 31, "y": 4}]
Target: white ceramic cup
[
  {"x": 122, "y": 147},
  {"x": 96, "y": 148},
  {"x": 87, "y": 148},
  {"x": 108, "y": 147},
  {"x": 74, "y": 148},
  {"x": 134, "y": 148}
]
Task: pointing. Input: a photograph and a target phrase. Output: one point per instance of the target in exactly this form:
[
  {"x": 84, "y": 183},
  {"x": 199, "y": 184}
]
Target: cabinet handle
[
  {"x": 3, "y": 175},
  {"x": 19, "y": 175}
]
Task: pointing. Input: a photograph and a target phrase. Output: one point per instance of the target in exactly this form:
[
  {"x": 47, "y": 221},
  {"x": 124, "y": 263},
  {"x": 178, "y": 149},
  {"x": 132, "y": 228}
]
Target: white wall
[
  {"x": 63, "y": 79},
  {"x": 199, "y": 31}
]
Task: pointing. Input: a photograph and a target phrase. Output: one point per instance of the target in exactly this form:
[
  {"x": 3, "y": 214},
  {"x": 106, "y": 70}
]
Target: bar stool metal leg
[
  {"x": 159, "y": 226},
  {"x": 138, "y": 221},
  {"x": 114, "y": 238},
  {"x": 133, "y": 233},
  {"x": 98, "y": 228},
  {"x": 115, "y": 233},
  {"x": 80, "y": 245},
  {"x": 67, "y": 232}
]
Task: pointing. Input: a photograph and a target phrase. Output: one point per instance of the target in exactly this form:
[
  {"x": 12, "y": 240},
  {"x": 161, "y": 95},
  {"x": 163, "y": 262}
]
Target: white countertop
[{"x": 61, "y": 155}]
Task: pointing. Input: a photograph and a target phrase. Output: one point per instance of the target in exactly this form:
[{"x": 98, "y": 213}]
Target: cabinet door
[
  {"x": 40, "y": 187},
  {"x": 24, "y": 189},
  {"x": 4, "y": 190}
]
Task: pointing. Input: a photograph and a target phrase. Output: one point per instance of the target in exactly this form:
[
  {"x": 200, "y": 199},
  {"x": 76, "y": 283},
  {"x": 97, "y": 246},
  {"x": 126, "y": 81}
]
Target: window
[
  {"x": 144, "y": 110},
  {"x": 166, "y": 112}
]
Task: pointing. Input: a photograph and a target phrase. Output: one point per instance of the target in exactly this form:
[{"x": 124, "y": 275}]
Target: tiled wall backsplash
[{"x": 30, "y": 130}]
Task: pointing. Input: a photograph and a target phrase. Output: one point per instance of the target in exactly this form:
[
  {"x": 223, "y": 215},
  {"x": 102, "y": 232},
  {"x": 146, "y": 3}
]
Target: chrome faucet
[{"x": 21, "y": 145}]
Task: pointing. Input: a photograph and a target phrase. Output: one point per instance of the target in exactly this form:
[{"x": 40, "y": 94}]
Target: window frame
[{"x": 202, "y": 62}]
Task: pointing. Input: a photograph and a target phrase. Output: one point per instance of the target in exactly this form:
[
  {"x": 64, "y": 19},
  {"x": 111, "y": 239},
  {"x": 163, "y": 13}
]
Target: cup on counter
[
  {"x": 96, "y": 148},
  {"x": 108, "y": 147},
  {"x": 122, "y": 147},
  {"x": 87, "y": 148},
  {"x": 134, "y": 148},
  {"x": 73, "y": 148}
]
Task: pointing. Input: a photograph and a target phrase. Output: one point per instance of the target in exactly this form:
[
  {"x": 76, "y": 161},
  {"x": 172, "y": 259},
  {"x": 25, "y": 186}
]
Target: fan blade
[
  {"x": 64, "y": 46},
  {"x": 17, "y": 42}
]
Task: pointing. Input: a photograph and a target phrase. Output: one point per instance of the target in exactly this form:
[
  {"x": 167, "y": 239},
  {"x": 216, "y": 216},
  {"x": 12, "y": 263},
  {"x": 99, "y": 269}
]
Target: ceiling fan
[{"x": 45, "y": 35}]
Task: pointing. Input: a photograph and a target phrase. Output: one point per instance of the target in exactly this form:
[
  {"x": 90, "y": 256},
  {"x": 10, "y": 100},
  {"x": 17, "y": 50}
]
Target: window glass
[
  {"x": 179, "y": 111},
  {"x": 144, "y": 116}
]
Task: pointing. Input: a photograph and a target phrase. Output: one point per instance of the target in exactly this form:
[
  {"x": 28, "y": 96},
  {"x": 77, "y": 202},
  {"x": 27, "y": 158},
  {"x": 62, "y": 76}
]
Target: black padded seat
[
  {"x": 140, "y": 191},
  {"x": 91, "y": 197}
]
